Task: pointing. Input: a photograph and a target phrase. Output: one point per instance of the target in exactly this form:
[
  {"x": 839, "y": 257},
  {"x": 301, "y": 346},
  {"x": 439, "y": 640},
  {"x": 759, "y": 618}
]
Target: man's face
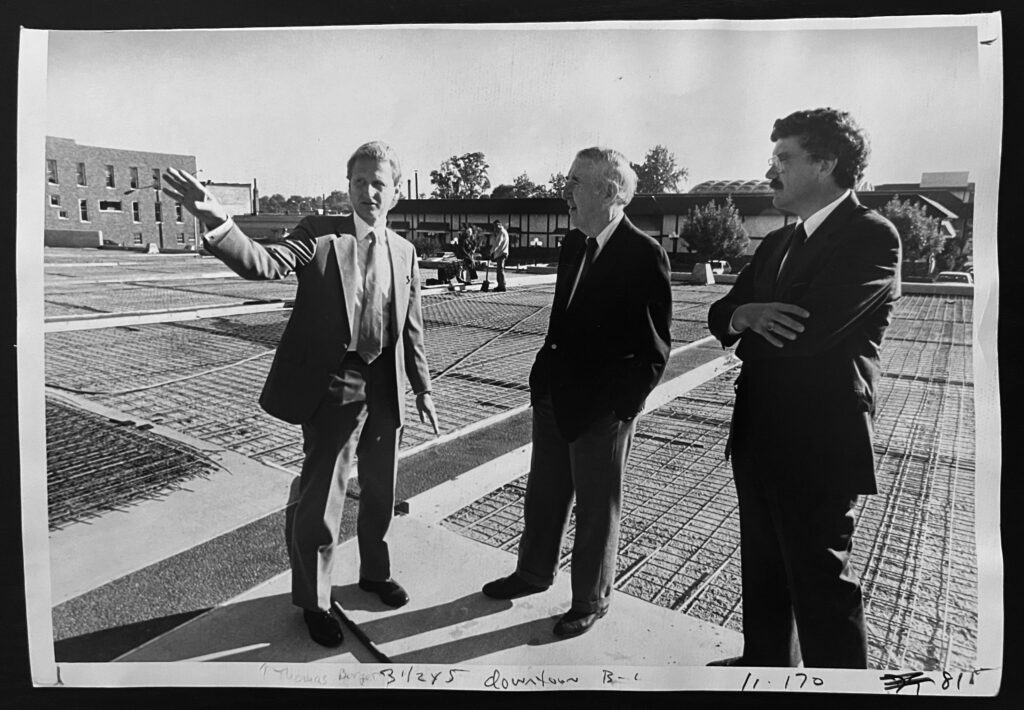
[
  {"x": 372, "y": 190},
  {"x": 587, "y": 196},
  {"x": 794, "y": 174}
]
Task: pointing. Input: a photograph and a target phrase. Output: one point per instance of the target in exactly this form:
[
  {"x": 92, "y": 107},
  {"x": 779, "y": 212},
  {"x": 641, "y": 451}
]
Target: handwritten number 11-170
[{"x": 803, "y": 676}]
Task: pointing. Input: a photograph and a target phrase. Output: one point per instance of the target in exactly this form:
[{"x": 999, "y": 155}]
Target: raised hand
[
  {"x": 193, "y": 196},
  {"x": 775, "y": 322}
]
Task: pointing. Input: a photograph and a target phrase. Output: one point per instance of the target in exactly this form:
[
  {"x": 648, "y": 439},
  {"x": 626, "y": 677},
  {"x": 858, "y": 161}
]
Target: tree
[
  {"x": 273, "y": 204},
  {"x": 659, "y": 172},
  {"x": 338, "y": 201},
  {"x": 555, "y": 186},
  {"x": 523, "y": 186},
  {"x": 462, "y": 176},
  {"x": 958, "y": 250},
  {"x": 920, "y": 234},
  {"x": 714, "y": 231},
  {"x": 502, "y": 192}
]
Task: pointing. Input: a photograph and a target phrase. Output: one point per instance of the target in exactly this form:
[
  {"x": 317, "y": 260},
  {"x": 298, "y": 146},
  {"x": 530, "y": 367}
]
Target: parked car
[
  {"x": 720, "y": 267},
  {"x": 954, "y": 277}
]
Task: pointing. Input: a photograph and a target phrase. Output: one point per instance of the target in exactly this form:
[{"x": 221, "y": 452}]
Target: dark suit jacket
[
  {"x": 608, "y": 349},
  {"x": 804, "y": 411},
  {"x": 322, "y": 252}
]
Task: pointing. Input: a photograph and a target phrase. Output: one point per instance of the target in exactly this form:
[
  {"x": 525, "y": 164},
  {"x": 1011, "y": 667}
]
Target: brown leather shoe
[
  {"x": 389, "y": 591},
  {"x": 510, "y": 587},
  {"x": 574, "y": 623},
  {"x": 323, "y": 627}
]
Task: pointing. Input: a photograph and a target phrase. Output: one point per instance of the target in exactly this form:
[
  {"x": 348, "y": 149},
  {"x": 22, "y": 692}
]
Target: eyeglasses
[{"x": 777, "y": 162}]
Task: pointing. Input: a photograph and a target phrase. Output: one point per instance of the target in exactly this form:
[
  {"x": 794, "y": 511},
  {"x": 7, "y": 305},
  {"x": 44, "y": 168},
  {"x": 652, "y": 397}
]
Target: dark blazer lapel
[
  {"x": 821, "y": 241},
  {"x": 345, "y": 252},
  {"x": 574, "y": 244},
  {"x": 606, "y": 261},
  {"x": 767, "y": 280}
]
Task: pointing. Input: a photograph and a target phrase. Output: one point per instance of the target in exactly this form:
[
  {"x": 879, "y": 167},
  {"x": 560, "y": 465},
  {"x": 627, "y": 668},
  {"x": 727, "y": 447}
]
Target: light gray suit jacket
[{"x": 322, "y": 253}]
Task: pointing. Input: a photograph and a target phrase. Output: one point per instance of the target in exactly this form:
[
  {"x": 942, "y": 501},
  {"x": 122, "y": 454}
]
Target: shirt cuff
[{"x": 215, "y": 235}]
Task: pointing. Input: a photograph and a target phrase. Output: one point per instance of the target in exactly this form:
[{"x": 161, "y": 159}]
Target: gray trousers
[
  {"x": 356, "y": 417},
  {"x": 589, "y": 468}
]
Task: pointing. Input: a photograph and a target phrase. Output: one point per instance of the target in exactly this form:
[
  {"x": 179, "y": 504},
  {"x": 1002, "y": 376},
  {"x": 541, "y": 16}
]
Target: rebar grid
[
  {"x": 679, "y": 541},
  {"x": 94, "y": 465}
]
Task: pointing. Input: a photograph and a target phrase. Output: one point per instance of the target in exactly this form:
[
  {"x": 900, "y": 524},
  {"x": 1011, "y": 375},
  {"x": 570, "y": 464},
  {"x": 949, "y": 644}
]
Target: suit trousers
[
  {"x": 499, "y": 270},
  {"x": 589, "y": 468},
  {"x": 356, "y": 418},
  {"x": 801, "y": 595}
]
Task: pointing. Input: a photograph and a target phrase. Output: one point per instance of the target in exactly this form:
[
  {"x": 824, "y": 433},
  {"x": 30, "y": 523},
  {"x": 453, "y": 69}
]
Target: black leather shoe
[
  {"x": 729, "y": 662},
  {"x": 389, "y": 591},
  {"x": 574, "y": 623},
  {"x": 510, "y": 587},
  {"x": 323, "y": 627}
]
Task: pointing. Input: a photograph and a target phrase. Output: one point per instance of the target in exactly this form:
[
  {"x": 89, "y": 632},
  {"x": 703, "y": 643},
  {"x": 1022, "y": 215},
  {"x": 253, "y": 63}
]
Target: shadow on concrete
[
  {"x": 267, "y": 628},
  {"x": 107, "y": 644},
  {"x": 537, "y": 632},
  {"x": 400, "y": 625}
]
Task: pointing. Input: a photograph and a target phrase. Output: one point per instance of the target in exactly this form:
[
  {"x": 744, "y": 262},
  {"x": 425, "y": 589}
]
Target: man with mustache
[
  {"x": 606, "y": 348},
  {"x": 809, "y": 313},
  {"x": 355, "y": 334}
]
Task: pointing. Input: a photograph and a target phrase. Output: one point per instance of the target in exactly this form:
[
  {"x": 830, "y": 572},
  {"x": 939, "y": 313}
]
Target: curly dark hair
[{"x": 829, "y": 133}]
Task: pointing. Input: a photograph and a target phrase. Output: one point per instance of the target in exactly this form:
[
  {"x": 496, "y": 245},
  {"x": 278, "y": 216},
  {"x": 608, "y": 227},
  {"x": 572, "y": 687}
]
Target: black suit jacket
[
  {"x": 607, "y": 349},
  {"x": 803, "y": 412}
]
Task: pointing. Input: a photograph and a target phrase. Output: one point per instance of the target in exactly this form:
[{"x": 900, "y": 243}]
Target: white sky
[{"x": 287, "y": 107}]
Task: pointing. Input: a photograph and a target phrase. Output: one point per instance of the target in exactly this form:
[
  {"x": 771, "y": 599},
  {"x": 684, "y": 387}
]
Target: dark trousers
[
  {"x": 589, "y": 468},
  {"x": 499, "y": 270},
  {"x": 801, "y": 596},
  {"x": 356, "y": 418}
]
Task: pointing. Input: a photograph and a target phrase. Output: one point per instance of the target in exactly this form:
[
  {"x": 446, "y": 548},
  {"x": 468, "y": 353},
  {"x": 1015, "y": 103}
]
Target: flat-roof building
[{"x": 98, "y": 196}]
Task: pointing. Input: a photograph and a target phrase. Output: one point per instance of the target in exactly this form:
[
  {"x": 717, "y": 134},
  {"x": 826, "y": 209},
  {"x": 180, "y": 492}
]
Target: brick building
[{"x": 99, "y": 196}]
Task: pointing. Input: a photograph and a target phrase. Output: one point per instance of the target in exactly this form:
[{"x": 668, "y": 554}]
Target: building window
[
  {"x": 179, "y": 216},
  {"x": 54, "y": 200},
  {"x": 83, "y": 210},
  {"x": 63, "y": 214},
  {"x": 136, "y": 217},
  {"x": 110, "y": 205},
  {"x": 181, "y": 237},
  {"x": 81, "y": 174},
  {"x": 110, "y": 176},
  {"x": 137, "y": 238},
  {"x": 133, "y": 177},
  {"x": 51, "y": 171},
  {"x": 156, "y": 178},
  {"x": 158, "y": 213}
]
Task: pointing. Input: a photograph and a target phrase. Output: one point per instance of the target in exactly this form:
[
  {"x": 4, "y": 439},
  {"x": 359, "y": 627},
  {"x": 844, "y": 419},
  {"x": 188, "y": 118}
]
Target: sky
[{"x": 287, "y": 107}]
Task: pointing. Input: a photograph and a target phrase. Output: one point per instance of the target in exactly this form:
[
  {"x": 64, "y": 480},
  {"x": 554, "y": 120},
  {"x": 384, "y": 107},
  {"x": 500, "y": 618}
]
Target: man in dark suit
[
  {"x": 354, "y": 336},
  {"x": 606, "y": 348},
  {"x": 809, "y": 313}
]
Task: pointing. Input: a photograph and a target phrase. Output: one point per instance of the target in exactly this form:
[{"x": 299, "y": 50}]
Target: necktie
[
  {"x": 796, "y": 240},
  {"x": 588, "y": 260},
  {"x": 371, "y": 321}
]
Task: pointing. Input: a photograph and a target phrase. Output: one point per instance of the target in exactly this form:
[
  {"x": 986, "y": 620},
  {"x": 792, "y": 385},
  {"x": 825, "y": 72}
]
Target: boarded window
[
  {"x": 51, "y": 171},
  {"x": 81, "y": 174},
  {"x": 110, "y": 176}
]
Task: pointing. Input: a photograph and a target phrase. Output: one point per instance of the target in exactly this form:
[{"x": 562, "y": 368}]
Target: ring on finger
[{"x": 771, "y": 327}]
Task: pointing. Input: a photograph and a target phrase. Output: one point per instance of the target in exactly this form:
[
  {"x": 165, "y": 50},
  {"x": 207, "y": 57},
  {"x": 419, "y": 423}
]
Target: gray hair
[
  {"x": 613, "y": 167},
  {"x": 379, "y": 151}
]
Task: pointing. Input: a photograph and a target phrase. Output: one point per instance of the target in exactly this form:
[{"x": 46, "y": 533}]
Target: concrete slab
[{"x": 448, "y": 619}]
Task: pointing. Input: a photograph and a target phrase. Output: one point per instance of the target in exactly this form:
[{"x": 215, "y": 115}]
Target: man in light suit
[
  {"x": 354, "y": 336},
  {"x": 606, "y": 348},
  {"x": 809, "y": 313}
]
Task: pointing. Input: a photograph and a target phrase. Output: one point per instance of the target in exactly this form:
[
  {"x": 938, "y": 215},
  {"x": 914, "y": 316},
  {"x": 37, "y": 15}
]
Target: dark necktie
[
  {"x": 371, "y": 321},
  {"x": 796, "y": 241}
]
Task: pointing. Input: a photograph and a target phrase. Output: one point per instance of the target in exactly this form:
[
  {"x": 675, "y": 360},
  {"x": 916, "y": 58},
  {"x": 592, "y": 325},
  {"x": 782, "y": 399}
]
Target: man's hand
[
  {"x": 775, "y": 322},
  {"x": 425, "y": 406},
  {"x": 192, "y": 195}
]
